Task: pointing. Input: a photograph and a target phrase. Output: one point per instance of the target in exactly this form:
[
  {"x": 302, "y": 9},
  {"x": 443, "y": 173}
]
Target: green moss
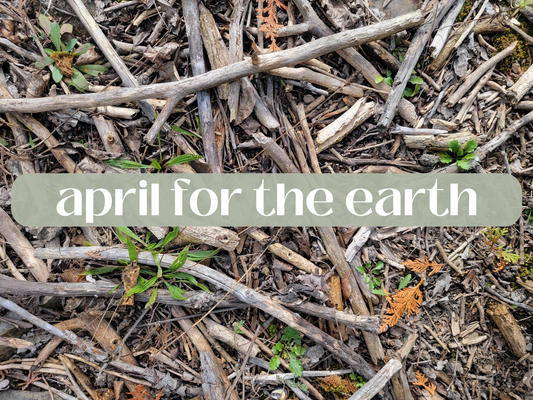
[
  {"x": 464, "y": 11},
  {"x": 520, "y": 55}
]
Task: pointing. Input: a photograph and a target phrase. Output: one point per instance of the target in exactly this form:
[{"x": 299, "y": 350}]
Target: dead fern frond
[
  {"x": 420, "y": 266},
  {"x": 270, "y": 23},
  {"x": 421, "y": 380},
  {"x": 408, "y": 299}
]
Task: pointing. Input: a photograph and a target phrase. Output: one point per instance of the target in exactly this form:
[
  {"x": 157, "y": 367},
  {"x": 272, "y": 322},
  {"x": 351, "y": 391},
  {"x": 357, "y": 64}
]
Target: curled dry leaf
[
  {"x": 409, "y": 299},
  {"x": 270, "y": 22}
]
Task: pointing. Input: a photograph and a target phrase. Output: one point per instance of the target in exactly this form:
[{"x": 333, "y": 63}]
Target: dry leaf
[
  {"x": 408, "y": 299},
  {"x": 129, "y": 276},
  {"x": 421, "y": 380},
  {"x": 420, "y": 266}
]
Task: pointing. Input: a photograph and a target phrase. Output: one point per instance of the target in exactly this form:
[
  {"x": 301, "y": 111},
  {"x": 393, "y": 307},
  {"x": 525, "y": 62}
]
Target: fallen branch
[
  {"x": 224, "y": 282},
  {"x": 216, "y": 77},
  {"x": 378, "y": 382}
]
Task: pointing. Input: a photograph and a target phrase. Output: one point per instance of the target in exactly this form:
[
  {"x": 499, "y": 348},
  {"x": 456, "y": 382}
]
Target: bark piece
[
  {"x": 509, "y": 328},
  {"x": 231, "y": 338},
  {"x": 521, "y": 87},
  {"x": 439, "y": 142}
]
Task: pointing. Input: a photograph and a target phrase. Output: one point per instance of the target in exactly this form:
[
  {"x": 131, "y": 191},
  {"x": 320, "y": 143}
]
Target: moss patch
[
  {"x": 339, "y": 387},
  {"x": 520, "y": 55},
  {"x": 464, "y": 11}
]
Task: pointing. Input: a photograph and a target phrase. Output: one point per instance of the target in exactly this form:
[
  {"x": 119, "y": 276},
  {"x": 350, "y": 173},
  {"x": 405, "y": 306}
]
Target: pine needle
[
  {"x": 408, "y": 299},
  {"x": 420, "y": 266},
  {"x": 421, "y": 380}
]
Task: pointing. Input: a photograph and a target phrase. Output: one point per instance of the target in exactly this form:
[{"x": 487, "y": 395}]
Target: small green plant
[
  {"x": 359, "y": 381},
  {"x": 408, "y": 91},
  {"x": 289, "y": 346},
  {"x": 128, "y": 164},
  {"x": 370, "y": 273},
  {"x": 63, "y": 57},
  {"x": 462, "y": 156},
  {"x": 504, "y": 256},
  {"x": 237, "y": 327},
  {"x": 148, "y": 278},
  {"x": 272, "y": 329}
]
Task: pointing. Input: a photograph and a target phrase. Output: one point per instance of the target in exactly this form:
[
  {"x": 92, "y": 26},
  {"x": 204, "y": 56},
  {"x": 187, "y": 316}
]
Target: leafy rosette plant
[{"x": 62, "y": 59}]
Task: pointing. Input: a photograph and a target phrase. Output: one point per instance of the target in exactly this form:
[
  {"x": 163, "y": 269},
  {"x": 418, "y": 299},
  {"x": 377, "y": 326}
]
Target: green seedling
[
  {"x": 462, "y": 156},
  {"x": 370, "y": 273},
  {"x": 359, "y": 381},
  {"x": 148, "y": 278},
  {"x": 408, "y": 91},
  {"x": 504, "y": 256},
  {"x": 63, "y": 57},
  {"x": 289, "y": 346}
]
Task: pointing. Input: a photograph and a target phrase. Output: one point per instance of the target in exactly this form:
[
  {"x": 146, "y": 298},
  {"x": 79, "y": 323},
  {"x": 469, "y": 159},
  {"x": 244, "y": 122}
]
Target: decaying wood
[
  {"x": 346, "y": 123},
  {"x": 231, "y": 338},
  {"x": 110, "y": 138},
  {"x": 285, "y": 253},
  {"x": 276, "y": 152},
  {"x": 224, "y": 282},
  {"x": 358, "y": 241},
  {"x": 446, "y": 25},
  {"x": 478, "y": 73},
  {"x": 215, "y": 236},
  {"x": 472, "y": 96},
  {"x": 214, "y": 380},
  {"x": 522, "y": 86},
  {"x": 307, "y": 75},
  {"x": 355, "y": 59},
  {"x": 378, "y": 382},
  {"x": 400, "y": 385},
  {"x": 22, "y": 247},
  {"x": 509, "y": 328},
  {"x": 490, "y": 26},
  {"x": 216, "y": 77},
  {"x": 439, "y": 142}
]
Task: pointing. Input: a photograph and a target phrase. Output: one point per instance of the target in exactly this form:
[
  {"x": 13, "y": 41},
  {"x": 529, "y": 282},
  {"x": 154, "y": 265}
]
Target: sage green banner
[{"x": 266, "y": 200}]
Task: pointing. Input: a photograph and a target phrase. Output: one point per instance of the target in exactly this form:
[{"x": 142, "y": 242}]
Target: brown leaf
[
  {"x": 409, "y": 299},
  {"x": 421, "y": 380},
  {"x": 129, "y": 276},
  {"x": 420, "y": 266}
]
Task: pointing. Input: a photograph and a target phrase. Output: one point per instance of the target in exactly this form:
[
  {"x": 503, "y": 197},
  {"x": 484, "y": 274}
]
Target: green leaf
[
  {"x": 44, "y": 62},
  {"x": 295, "y": 365},
  {"x": 274, "y": 363},
  {"x": 290, "y": 334},
  {"x": 469, "y": 156},
  {"x": 142, "y": 287},
  {"x": 379, "y": 292},
  {"x": 153, "y": 296},
  {"x": 127, "y": 231},
  {"x": 156, "y": 165},
  {"x": 180, "y": 260},
  {"x": 101, "y": 271},
  {"x": 463, "y": 164},
  {"x": 405, "y": 281},
  {"x": 454, "y": 146},
  {"x": 360, "y": 269},
  {"x": 470, "y": 146},
  {"x": 45, "y": 23},
  {"x": 79, "y": 81},
  {"x": 376, "y": 281},
  {"x": 56, "y": 74},
  {"x": 49, "y": 51},
  {"x": 175, "y": 291},
  {"x": 55, "y": 36},
  {"x": 389, "y": 73},
  {"x": 408, "y": 92},
  {"x": 132, "y": 251},
  {"x": 201, "y": 255},
  {"x": 3, "y": 142},
  {"x": 83, "y": 48},
  {"x": 70, "y": 45},
  {"x": 379, "y": 79},
  {"x": 460, "y": 153},
  {"x": 183, "y": 131},
  {"x": 416, "y": 80},
  {"x": 157, "y": 261},
  {"x": 92, "y": 69},
  {"x": 184, "y": 158},
  {"x": 379, "y": 266},
  {"x": 115, "y": 288},
  {"x": 445, "y": 158},
  {"x": 388, "y": 81},
  {"x": 168, "y": 238},
  {"x": 417, "y": 89},
  {"x": 30, "y": 140},
  {"x": 126, "y": 164},
  {"x": 282, "y": 82},
  {"x": 401, "y": 57}
]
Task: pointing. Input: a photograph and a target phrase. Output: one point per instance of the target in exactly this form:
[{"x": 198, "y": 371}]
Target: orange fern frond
[
  {"x": 270, "y": 23},
  {"x": 420, "y": 266},
  {"x": 421, "y": 380},
  {"x": 408, "y": 299}
]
